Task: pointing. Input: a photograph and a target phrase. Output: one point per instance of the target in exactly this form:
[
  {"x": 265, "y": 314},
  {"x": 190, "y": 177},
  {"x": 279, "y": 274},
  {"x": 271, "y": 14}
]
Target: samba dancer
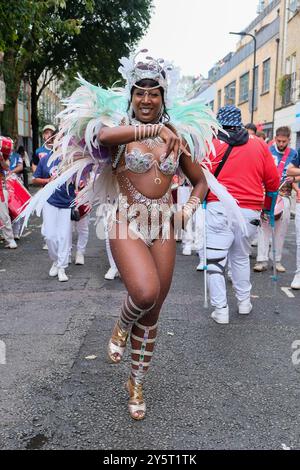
[{"x": 130, "y": 132}]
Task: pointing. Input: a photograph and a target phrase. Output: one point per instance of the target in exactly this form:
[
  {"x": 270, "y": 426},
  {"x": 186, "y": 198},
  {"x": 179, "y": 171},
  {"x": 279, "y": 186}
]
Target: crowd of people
[{"x": 151, "y": 163}]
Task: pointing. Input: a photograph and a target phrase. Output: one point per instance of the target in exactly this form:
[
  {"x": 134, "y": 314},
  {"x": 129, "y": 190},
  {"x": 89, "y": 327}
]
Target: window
[
  {"x": 23, "y": 110},
  {"x": 211, "y": 105},
  {"x": 292, "y": 8},
  {"x": 244, "y": 88},
  {"x": 219, "y": 99},
  {"x": 230, "y": 93},
  {"x": 289, "y": 94},
  {"x": 266, "y": 76}
]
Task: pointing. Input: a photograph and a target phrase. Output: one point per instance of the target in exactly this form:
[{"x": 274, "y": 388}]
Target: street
[{"x": 210, "y": 386}]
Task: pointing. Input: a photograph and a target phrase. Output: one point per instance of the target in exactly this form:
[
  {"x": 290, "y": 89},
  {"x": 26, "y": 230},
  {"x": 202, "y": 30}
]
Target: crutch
[
  {"x": 204, "y": 204},
  {"x": 271, "y": 213}
]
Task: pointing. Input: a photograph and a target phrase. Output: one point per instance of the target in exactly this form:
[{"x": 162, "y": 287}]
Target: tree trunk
[
  {"x": 9, "y": 124},
  {"x": 34, "y": 115}
]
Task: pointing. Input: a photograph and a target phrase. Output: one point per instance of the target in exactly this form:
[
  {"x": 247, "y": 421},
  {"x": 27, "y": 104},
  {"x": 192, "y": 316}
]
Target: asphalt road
[{"x": 210, "y": 386}]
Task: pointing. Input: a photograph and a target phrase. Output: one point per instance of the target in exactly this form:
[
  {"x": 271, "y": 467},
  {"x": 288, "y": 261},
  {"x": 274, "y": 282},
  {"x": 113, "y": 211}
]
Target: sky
[{"x": 194, "y": 34}]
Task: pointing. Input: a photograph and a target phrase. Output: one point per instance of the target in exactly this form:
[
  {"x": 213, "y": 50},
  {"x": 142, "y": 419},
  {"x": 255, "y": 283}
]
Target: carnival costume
[{"x": 77, "y": 145}]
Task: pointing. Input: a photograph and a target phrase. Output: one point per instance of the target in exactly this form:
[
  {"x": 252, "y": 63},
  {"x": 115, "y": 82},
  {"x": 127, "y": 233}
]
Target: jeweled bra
[{"x": 139, "y": 162}]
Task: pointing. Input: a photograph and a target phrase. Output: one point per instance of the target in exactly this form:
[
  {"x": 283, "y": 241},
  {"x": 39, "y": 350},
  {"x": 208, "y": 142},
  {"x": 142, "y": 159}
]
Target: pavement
[{"x": 210, "y": 386}]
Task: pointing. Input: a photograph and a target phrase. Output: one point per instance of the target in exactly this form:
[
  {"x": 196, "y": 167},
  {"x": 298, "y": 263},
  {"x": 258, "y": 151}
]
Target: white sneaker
[
  {"x": 187, "y": 251},
  {"x": 53, "y": 270},
  {"x": 11, "y": 245},
  {"x": 221, "y": 315},
  {"x": 296, "y": 282},
  {"x": 260, "y": 267},
  {"x": 111, "y": 274},
  {"x": 200, "y": 266},
  {"x": 280, "y": 268},
  {"x": 79, "y": 258},
  {"x": 45, "y": 247},
  {"x": 245, "y": 307},
  {"x": 17, "y": 237},
  {"x": 62, "y": 277}
]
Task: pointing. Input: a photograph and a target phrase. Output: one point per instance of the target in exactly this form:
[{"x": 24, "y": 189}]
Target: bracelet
[
  {"x": 191, "y": 206},
  {"x": 147, "y": 131}
]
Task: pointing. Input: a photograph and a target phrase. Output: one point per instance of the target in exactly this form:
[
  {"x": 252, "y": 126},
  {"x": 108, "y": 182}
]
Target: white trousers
[
  {"x": 223, "y": 242},
  {"x": 82, "y": 229},
  {"x": 297, "y": 222},
  {"x": 5, "y": 219},
  {"x": 16, "y": 226},
  {"x": 192, "y": 236},
  {"x": 265, "y": 233},
  {"x": 110, "y": 257},
  {"x": 57, "y": 229}
]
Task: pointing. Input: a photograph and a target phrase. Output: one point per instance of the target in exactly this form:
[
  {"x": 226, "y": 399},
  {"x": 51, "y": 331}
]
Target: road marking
[
  {"x": 2, "y": 270},
  {"x": 26, "y": 234},
  {"x": 287, "y": 290}
]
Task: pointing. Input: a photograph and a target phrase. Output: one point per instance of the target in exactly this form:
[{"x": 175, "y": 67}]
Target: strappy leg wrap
[
  {"x": 141, "y": 353},
  {"x": 130, "y": 314}
]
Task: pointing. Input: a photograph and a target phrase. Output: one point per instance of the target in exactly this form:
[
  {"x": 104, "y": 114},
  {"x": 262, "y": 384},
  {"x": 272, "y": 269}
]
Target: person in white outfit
[
  {"x": 244, "y": 165},
  {"x": 294, "y": 172},
  {"x": 5, "y": 221},
  {"x": 112, "y": 272},
  {"x": 283, "y": 156},
  {"x": 81, "y": 227},
  {"x": 192, "y": 236},
  {"x": 16, "y": 168},
  {"x": 57, "y": 224}
]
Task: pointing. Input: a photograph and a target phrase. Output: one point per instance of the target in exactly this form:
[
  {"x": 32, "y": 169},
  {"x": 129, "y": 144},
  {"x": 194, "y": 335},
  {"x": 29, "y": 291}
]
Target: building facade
[
  {"x": 287, "y": 106},
  {"x": 49, "y": 104},
  {"x": 272, "y": 84},
  {"x": 237, "y": 80}
]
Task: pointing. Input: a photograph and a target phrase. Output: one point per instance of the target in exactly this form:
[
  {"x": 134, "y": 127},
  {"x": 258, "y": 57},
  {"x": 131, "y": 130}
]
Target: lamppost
[{"x": 242, "y": 33}]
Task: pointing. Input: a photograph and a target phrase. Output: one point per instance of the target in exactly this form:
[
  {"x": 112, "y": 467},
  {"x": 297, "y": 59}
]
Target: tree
[
  {"x": 20, "y": 33},
  {"x": 57, "y": 38},
  {"x": 106, "y": 31}
]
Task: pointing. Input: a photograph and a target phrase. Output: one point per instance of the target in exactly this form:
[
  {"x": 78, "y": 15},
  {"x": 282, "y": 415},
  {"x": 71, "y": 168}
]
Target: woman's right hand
[{"x": 173, "y": 142}]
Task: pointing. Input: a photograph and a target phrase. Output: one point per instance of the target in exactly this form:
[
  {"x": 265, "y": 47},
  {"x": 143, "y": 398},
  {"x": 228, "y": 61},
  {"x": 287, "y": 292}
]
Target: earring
[
  {"x": 130, "y": 111},
  {"x": 161, "y": 112}
]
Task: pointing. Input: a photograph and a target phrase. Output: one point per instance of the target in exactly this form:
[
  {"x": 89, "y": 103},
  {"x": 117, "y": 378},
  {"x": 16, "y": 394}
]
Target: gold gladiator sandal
[
  {"x": 139, "y": 368},
  {"x": 117, "y": 344},
  {"x": 136, "y": 404}
]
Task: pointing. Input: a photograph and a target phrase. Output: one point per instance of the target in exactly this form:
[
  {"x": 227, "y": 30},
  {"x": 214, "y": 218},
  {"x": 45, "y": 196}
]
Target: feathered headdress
[{"x": 159, "y": 70}]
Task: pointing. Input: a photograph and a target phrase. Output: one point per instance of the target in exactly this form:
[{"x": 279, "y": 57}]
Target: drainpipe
[
  {"x": 284, "y": 37},
  {"x": 276, "y": 78}
]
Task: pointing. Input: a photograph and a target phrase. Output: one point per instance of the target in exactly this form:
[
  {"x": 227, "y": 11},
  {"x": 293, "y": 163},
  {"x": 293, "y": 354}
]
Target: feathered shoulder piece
[
  {"x": 76, "y": 146},
  {"x": 196, "y": 124},
  {"x": 88, "y": 109}
]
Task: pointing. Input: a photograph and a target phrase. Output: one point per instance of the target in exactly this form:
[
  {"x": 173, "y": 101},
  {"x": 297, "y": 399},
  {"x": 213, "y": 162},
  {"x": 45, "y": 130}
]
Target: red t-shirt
[{"x": 248, "y": 173}]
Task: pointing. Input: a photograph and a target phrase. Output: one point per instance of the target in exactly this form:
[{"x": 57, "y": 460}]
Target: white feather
[
  {"x": 233, "y": 211},
  {"x": 38, "y": 201}
]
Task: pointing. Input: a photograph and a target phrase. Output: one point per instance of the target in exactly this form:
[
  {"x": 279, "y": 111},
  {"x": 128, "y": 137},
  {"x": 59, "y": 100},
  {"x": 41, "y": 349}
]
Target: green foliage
[
  {"x": 282, "y": 85},
  {"x": 64, "y": 37}
]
